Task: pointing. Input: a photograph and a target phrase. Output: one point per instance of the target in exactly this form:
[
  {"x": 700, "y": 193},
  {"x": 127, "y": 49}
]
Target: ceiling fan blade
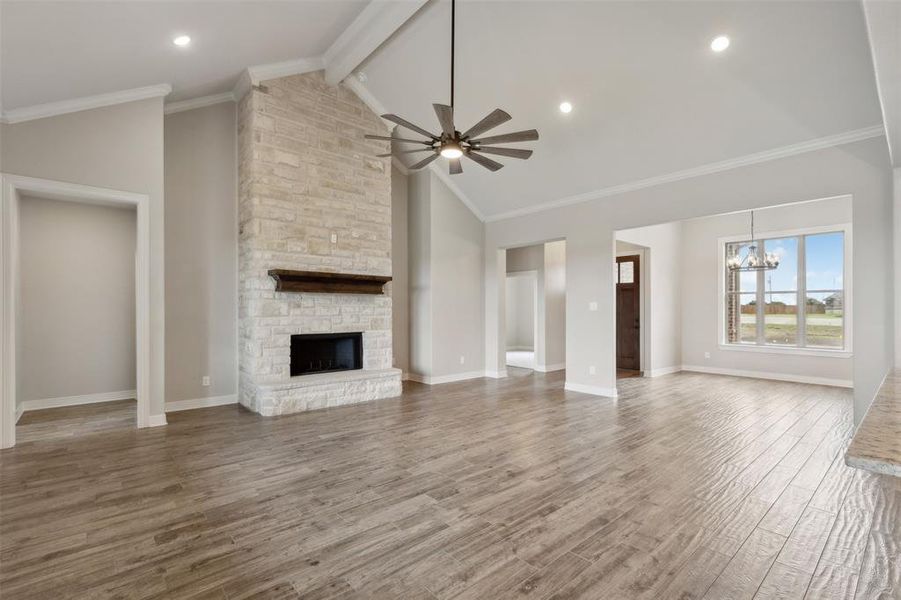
[
  {"x": 446, "y": 118},
  {"x": 400, "y": 152},
  {"x": 529, "y": 135},
  {"x": 491, "y": 165},
  {"x": 494, "y": 119},
  {"x": 514, "y": 152},
  {"x": 409, "y": 125},
  {"x": 424, "y": 162},
  {"x": 394, "y": 139},
  {"x": 455, "y": 167}
]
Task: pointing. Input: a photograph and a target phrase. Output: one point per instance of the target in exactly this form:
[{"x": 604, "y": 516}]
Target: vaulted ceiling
[{"x": 650, "y": 97}]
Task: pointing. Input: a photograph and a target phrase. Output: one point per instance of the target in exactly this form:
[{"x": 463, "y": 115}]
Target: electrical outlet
[
  {"x": 334, "y": 238},
  {"x": 592, "y": 370},
  {"x": 706, "y": 355},
  {"x": 462, "y": 359},
  {"x": 592, "y": 306},
  {"x": 205, "y": 381}
]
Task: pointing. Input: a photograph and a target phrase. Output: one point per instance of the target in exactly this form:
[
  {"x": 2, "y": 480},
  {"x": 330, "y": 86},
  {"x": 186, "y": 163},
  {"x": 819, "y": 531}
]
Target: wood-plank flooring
[{"x": 687, "y": 486}]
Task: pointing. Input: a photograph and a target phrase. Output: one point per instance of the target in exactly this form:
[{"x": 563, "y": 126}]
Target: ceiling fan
[{"x": 452, "y": 144}]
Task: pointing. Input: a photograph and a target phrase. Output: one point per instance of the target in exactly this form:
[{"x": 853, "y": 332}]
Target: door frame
[
  {"x": 533, "y": 275},
  {"x": 13, "y": 186},
  {"x": 644, "y": 280}
]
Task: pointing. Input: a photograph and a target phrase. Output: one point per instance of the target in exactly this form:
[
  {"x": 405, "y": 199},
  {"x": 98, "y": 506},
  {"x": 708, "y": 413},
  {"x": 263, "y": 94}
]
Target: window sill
[{"x": 786, "y": 350}]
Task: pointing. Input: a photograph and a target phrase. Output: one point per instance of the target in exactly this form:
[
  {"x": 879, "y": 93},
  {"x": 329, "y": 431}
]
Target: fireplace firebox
[{"x": 326, "y": 352}]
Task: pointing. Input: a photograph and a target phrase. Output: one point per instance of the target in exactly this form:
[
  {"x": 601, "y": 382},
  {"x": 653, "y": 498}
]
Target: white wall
[
  {"x": 118, "y": 147},
  {"x": 860, "y": 169},
  {"x": 76, "y": 328},
  {"x": 419, "y": 257},
  {"x": 201, "y": 252},
  {"x": 457, "y": 243},
  {"x": 400, "y": 316},
  {"x": 661, "y": 290},
  {"x": 445, "y": 265},
  {"x": 521, "y": 314},
  {"x": 554, "y": 305},
  {"x": 701, "y": 294},
  {"x": 897, "y": 248},
  {"x": 530, "y": 258}
]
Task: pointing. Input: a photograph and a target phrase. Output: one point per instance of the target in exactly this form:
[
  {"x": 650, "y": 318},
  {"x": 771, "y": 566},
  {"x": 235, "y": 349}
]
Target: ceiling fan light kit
[{"x": 452, "y": 144}]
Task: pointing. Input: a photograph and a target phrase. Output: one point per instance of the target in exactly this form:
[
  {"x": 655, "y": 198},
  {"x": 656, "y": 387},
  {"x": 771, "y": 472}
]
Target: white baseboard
[
  {"x": 662, "y": 371},
  {"x": 180, "y": 405},
  {"x": 43, "y": 403},
  {"x": 496, "y": 374},
  {"x": 20, "y": 410},
  {"x": 156, "y": 420},
  {"x": 844, "y": 383},
  {"x": 550, "y": 368},
  {"x": 590, "y": 389},
  {"x": 444, "y": 378}
]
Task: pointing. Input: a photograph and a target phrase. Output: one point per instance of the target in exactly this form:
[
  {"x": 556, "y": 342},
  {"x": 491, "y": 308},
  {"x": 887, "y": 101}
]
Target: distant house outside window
[{"x": 800, "y": 304}]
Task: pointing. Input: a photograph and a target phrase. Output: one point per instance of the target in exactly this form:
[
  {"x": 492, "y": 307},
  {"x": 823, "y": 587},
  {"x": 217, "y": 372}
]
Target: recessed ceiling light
[
  {"x": 181, "y": 40},
  {"x": 566, "y": 107},
  {"x": 719, "y": 43}
]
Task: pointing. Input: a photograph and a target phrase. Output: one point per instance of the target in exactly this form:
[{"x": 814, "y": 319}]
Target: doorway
[
  {"x": 14, "y": 187},
  {"x": 522, "y": 318},
  {"x": 628, "y": 315}
]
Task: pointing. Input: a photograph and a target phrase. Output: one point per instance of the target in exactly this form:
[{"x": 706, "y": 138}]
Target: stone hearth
[{"x": 306, "y": 174}]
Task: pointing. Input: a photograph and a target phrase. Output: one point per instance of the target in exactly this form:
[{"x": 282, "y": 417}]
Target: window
[{"x": 800, "y": 304}]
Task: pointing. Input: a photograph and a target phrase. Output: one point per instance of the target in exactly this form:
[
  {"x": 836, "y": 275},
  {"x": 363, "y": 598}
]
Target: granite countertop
[{"x": 876, "y": 446}]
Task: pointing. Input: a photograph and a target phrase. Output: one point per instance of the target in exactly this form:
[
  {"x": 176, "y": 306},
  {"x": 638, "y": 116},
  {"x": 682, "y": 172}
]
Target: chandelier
[{"x": 755, "y": 259}]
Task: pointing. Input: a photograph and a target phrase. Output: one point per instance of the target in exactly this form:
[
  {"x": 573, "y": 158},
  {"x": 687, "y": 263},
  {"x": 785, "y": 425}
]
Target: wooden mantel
[{"x": 327, "y": 283}]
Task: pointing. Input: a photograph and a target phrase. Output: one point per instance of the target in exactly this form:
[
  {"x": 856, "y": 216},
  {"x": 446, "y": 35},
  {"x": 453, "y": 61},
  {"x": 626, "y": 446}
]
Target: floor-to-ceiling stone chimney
[{"x": 312, "y": 197}]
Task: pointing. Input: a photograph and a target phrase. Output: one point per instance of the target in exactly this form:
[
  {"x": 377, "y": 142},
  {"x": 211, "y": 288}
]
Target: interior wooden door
[{"x": 628, "y": 307}]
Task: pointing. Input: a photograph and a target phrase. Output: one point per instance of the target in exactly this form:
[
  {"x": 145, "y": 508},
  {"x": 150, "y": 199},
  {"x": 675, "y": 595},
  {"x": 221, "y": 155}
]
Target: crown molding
[
  {"x": 52, "y": 109},
  {"x": 191, "y": 104},
  {"x": 373, "y": 26},
  {"x": 256, "y": 74},
  {"x": 399, "y": 165},
  {"x": 822, "y": 143}
]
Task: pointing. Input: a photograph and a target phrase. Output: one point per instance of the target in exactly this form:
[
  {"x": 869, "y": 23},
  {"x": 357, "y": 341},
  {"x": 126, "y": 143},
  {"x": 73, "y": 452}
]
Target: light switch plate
[{"x": 592, "y": 306}]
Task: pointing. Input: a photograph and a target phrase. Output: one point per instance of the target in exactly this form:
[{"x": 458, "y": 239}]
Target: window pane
[
  {"x": 785, "y": 277},
  {"x": 825, "y": 319},
  {"x": 825, "y": 261},
  {"x": 781, "y": 319},
  {"x": 741, "y": 318},
  {"x": 626, "y": 272}
]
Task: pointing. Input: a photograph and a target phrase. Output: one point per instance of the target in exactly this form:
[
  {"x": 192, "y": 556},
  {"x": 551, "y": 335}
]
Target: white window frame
[{"x": 847, "y": 279}]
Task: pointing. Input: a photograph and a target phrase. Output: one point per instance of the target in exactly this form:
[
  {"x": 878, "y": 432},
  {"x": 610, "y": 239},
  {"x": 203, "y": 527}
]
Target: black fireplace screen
[{"x": 325, "y": 352}]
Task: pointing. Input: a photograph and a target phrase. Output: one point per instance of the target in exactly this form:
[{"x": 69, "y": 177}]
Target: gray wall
[
  {"x": 554, "y": 305},
  {"x": 400, "y": 303},
  {"x": 861, "y": 169},
  {"x": 201, "y": 252},
  {"x": 118, "y": 147},
  {"x": 76, "y": 328},
  {"x": 419, "y": 228}
]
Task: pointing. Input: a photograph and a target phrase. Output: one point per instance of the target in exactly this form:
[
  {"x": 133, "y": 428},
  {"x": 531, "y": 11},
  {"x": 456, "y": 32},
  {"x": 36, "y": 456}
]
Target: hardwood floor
[{"x": 687, "y": 486}]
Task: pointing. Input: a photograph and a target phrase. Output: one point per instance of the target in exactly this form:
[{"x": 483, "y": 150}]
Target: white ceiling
[
  {"x": 884, "y": 26},
  {"x": 51, "y": 51},
  {"x": 650, "y": 96}
]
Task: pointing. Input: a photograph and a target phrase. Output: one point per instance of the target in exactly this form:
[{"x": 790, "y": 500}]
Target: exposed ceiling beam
[
  {"x": 372, "y": 27},
  {"x": 884, "y": 29}
]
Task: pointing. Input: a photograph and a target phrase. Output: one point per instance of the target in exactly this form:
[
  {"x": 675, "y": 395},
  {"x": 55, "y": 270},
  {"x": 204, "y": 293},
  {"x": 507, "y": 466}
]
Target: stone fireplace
[{"x": 313, "y": 197}]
